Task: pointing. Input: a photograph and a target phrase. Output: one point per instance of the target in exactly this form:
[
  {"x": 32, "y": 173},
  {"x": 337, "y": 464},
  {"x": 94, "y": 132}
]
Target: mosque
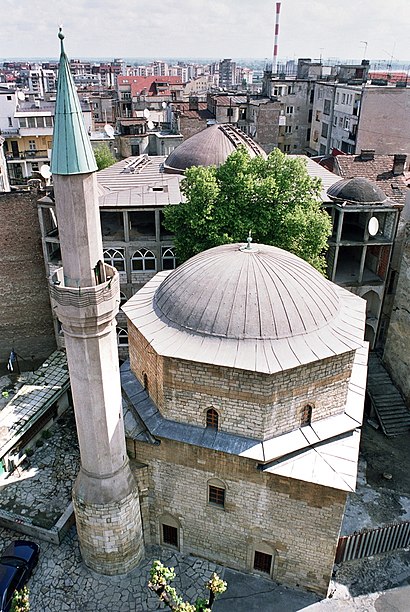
[{"x": 242, "y": 398}]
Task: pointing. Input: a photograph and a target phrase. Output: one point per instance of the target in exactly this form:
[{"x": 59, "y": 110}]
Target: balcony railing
[{"x": 38, "y": 153}]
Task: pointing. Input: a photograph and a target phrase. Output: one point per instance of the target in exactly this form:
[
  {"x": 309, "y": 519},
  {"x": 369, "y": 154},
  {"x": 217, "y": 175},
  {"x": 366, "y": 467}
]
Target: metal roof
[
  {"x": 272, "y": 314},
  {"x": 324, "y": 453},
  {"x": 72, "y": 152}
]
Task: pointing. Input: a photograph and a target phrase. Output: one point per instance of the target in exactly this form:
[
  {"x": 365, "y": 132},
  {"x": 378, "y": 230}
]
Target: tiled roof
[
  {"x": 202, "y": 112},
  {"x": 149, "y": 86},
  {"x": 378, "y": 169},
  {"x": 137, "y": 172}
]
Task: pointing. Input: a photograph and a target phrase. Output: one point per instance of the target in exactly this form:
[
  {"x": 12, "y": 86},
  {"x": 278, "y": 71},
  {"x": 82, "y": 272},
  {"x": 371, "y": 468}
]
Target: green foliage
[
  {"x": 274, "y": 198},
  {"x": 161, "y": 576},
  {"x": 20, "y": 601},
  {"x": 103, "y": 156}
]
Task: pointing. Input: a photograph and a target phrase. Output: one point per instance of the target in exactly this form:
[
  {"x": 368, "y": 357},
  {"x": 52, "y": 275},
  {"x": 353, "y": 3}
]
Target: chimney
[
  {"x": 399, "y": 162},
  {"x": 367, "y": 154},
  {"x": 193, "y": 103}
]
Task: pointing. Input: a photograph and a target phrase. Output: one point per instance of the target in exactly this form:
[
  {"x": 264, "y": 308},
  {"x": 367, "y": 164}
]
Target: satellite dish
[
  {"x": 150, "y": 125},
  {"x": 164, "y": 105},
  {"x": 373, "y": 226},
  {"x": 45, "y": 171},
  {"x": 21, "y": 96},
  {"x": 109, "y": 130},
  {"x": 146, "y": 113}
]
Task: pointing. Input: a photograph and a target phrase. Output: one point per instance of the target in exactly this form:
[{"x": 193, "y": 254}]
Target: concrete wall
[
  {"x": 384, "y": 120},
  {"x": 297, "y": 522},
  {"x": 25, "y": 322}
]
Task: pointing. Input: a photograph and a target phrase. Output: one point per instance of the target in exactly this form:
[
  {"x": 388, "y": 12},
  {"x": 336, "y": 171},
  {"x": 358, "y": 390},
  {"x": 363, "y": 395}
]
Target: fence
[{"x": 373, "y": 542}]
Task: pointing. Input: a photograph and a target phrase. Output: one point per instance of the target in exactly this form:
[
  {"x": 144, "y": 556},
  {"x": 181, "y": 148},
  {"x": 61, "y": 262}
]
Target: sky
[{"x": 206, "y": 28}]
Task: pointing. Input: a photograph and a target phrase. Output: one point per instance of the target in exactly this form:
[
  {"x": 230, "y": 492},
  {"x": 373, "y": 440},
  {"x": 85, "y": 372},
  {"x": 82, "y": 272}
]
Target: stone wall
[
  {"x": 297, "y": 522},
  {"x": 396, "y": 354},
  {"x": 25, "y": 316},
  {"x": 248, "y": 403}
]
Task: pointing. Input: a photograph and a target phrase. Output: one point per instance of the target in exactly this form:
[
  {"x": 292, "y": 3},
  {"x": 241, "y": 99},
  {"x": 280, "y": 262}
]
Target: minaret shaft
[{"x": 85, "y": 293}]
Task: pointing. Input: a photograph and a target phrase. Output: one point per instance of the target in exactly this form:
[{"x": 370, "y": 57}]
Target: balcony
[
  {"x": 37, "y": 154},
  {"x": 10, "y": 131}
]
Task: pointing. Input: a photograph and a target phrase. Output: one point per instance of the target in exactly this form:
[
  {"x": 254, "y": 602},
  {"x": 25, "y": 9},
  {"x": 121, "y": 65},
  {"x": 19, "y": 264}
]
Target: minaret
[{"x": 86, "y": 299}]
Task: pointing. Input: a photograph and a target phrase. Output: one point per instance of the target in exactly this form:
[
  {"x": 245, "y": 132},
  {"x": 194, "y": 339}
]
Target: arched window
[
  {"x": 122, "y": 337},
  {"x": 115, "y": 258},
  {"x": 145, "y": 382},
  {"x": 123, "y": 298},
  {"x": 212, "y": 418},
  {"x": 143, "y": 260},
  {"x": 170, "y": 531},
  {"x": 306, "y": 415},
  {"x": 216, "y": 492},
  {"x": 168, "y": 258}
]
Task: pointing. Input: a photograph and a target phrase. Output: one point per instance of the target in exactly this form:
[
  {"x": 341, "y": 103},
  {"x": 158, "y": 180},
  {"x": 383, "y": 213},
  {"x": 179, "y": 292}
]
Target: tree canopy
[
  {"x": 275, "y": 198},
  {"x": 103, "y": 156}
]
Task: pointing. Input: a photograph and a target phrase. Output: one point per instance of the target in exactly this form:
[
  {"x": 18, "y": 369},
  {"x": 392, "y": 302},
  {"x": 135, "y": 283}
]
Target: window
[
  {"x": 31, "y": 121},
  {"x": 262, "y": 562},
  {"x": 32, "y": 145},
  {"x": 288, "y": 129},
  {"x": 289, "y": 110},
  {"x": 115, "y": 258},
  {"x": 141, "y": 223},
  {"x": 23, "y": 122},
  {"x": 168, "y": 259},
  {"x": 145, "y": 377},
  {"x": 123, "y": 298},
  {"x": 143, "y": 260},
  {"x": 122, "y": 337},
  {"x": 170, "y": 535},
  {"x": 335, "y": 121},
  {"x": 340, "y": 121},
  {"x": 337, "y": 97},
  {"x": 229, "y": 112},
  {"x": 216, "y": 496},
  {"x": 317, "y": 116},
  {"x": 286, "y": 148},
  {"x": 212, "y": 418},
  {"x": 343, "y": 98},
  {"x": 325, "y": 127},
  {"x": 306, "y": 415},
  {"x": 10, "y": 122},
  {"x": 326, "y": 107},
  {"x": 346, "y": 123},
  {"x": 49, "y": 121}
]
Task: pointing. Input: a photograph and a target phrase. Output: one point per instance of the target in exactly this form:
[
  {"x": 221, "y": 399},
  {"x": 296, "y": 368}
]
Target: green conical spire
[{"x": 72, "y": 152}]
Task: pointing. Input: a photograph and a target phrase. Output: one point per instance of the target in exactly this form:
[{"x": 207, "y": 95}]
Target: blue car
[{"x": 16, "y": 564}]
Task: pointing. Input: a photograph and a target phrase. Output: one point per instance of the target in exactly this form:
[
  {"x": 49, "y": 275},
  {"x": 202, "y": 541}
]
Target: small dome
[
  {"x": 357, "y": 190},
  {"x": 232, "y": 292},
  {"x": 210, "y": 147}
]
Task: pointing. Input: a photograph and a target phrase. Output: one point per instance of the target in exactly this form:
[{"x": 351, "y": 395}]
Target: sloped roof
[
  {"x": 378, "y": 169},
  {"x": 149, "y": 86}
]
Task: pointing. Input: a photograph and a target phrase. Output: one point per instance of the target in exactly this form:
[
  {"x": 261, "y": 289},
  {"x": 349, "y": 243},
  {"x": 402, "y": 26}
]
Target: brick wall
[
  {"x": 298, "y": 521},
  {"x": 25, "y": 314},
  {"x": 248, "y": 403}
]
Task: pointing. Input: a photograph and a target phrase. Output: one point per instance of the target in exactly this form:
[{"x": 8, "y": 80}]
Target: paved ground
[{"x": 61, "y": 582}]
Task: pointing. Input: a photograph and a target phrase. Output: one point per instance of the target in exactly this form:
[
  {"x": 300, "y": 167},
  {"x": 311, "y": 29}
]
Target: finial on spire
[
  {"x": 249, "y": 240},
  {"x": 249, "y": 248},
  {"x": 61, "y": 37}
]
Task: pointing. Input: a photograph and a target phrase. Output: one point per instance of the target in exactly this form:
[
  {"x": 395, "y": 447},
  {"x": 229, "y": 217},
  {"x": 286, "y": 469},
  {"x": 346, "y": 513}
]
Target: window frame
[{"x": 144, "y": 256}]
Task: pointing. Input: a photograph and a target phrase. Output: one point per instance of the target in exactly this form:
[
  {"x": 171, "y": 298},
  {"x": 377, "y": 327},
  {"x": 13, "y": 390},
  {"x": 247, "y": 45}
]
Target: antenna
[{"x": 364, "y": 42}]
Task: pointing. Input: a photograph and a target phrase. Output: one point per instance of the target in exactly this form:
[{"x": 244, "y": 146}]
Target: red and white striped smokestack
[{"x": 275, "y": 46}]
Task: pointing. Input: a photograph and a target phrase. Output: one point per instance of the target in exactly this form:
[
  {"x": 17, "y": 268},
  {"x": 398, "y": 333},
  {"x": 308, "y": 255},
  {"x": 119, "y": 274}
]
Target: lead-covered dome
[
  {"x": 357, "y": 190},
  {"x": 261, "y": 309},
  {"x": 210, "y": 147},
  {"x": 260, "y": 293}
]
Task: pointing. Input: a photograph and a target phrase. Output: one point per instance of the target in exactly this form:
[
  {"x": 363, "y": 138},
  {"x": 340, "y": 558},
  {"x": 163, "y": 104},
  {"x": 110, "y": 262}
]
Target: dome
[
  {"x": 233, "y": 292},
  {"x": 260, "y": 309},
  {"x": 357, "y": 190},
  {"x": 210, "y": 147}
]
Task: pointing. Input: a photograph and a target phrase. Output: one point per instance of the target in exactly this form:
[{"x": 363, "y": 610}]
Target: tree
[
  {"x": 161, "y": 577},
  {"x": 275, "y": 198},
  {"x": 20, "y": 601},
  {"x": 103, "y": 156}
]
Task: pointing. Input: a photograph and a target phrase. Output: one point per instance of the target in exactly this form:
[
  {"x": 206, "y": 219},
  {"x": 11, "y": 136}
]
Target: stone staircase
[{"x": 387, "y": 402}]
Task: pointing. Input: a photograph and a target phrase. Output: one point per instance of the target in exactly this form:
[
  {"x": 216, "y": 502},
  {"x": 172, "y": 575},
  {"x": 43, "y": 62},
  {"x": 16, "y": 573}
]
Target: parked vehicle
[{"x": 17, "y": 562}]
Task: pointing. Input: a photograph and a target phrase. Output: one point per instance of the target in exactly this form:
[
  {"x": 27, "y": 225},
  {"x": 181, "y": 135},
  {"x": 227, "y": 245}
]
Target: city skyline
[{"x": 227, "y": 28}]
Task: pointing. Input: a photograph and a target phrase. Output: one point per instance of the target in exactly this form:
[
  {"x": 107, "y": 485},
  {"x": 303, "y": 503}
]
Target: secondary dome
[
  {"x": 357, "y": 190},
  {"x": 210, "y": 147},
  {"x": 233, "y": 292},
  {"x": 262, "y": 310}
]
